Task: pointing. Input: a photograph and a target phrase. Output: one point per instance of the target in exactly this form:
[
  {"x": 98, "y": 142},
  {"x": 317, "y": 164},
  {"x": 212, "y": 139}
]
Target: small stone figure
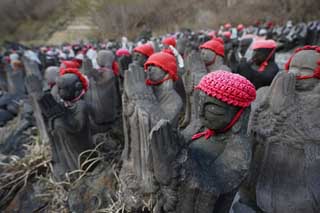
[
  {"x": 262, "y": 68},
  {"x": 212, "y": 53},
  {"x": 284, "y": 123},
  {"x": 103, "y": 96},
  {"x": 145, "y": 102},
  {"x": 51, "y": 75},
  {"x": 67, "y": 121},
  {"x": 123, "y": 60},
  {"x": 203, "y": 176},
  {"x": 141, "y": 53},
  {"x": 15, "y": 78}
]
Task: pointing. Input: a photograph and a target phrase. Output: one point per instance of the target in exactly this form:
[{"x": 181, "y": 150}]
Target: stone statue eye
[{"x": 216, "y": 109}]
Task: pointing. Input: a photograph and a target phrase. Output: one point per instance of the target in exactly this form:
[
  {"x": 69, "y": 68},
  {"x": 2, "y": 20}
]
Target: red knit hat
[
  {"x": 264, "y": 44},
  {"x": 165, "y": 61},
  {"x": 169, "y": 41},
  {"x": 71, "y": 64},
  {"x": 168, "y": 50},
  {"x": 240, "y": 27},
  {"x": 83, "y": 79},
  {"x": 227, "y": 26},
  {"x": 227, "y": 34},
  {"x": 228, "y": 87},
  {"x": 145, "y": 49},
  {"x": 215, "y": 45},
  {"x": 121, "y": 52}
]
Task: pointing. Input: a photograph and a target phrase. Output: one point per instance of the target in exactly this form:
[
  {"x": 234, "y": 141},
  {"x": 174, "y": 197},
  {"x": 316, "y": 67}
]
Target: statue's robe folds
[
  {"x": 69, "y": 136},
  {"x": 285, "y": 174}
]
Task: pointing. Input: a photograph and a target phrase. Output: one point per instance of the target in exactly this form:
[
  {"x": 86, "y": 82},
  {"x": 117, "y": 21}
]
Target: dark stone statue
[
  {"x": 50, "y": 76},
  {"x": 284, "y": 123},
  {"x": 103, "y": 96},
  {"x": 15, "y": 78},
  {"x": 141, "y": 53},
  {"x": 262, "y": 67},
  {"x": 203, "y": 175},
  {"x": 209, "y": 59},
  {"x": 67, "y": 121},
  {"x": 145, "y": 102},
  {"x": 212, "y": 55}
]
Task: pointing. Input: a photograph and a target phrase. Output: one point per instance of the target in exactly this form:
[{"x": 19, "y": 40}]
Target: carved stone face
[
  {"x": 304, "y": 64},
  {"x": 155, "y": 73},
  {"x": 260, "y": 55},
  {"x": 244, "y": 45},
  {"x": 207, "y": 55},
  {"x": 51, "y": 74},
  {"x": 69, "y": 87},
  {"x": 215, "y": 114},
  {"x": 105, "y": 58},
  {"x": 139, "y": 58}
]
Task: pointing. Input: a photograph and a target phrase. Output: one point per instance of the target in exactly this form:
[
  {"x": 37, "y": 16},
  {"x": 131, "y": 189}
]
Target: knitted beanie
[
  {"x": 230, "y": 88},
  {"x": 71, "y": 64},
  {"x": 216, "y": 45},
  {"x": 121, "y": 52},
  {"x": 145, "y": 49},
  {"x": 227, "y": 26},
  {"x": 165, "y": 61},
  {"x": 169, "y": 41},
  {"x": 264, "y": 44}
]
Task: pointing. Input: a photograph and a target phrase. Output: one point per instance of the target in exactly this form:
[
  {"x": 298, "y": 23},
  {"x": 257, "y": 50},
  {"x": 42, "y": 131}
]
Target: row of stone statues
[{"x": 186, "y": 131}]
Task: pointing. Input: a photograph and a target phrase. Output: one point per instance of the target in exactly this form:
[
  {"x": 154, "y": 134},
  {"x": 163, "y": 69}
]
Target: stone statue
[
  {"x": 123, "y": 59},
  {"x": 211, "y": 59},
  {"x": 15, "y": 77},
  {"x": 284, "y": 124},
  {"x": 67, "y": 121},
  {"x": 212, "y": 54},
  {"x": 203, "y": 175},
  {"x": 103, "y": 96},
  {"x": 145, "y": 102},
  {"x": 141, "y": 53},
  {"x": 262, "y": 67},
  {"x": 50, "y": 76}
]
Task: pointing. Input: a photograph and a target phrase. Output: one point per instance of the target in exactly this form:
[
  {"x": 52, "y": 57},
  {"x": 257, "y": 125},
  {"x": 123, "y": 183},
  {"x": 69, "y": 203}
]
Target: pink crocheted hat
[{"x": 228, "y": 87}]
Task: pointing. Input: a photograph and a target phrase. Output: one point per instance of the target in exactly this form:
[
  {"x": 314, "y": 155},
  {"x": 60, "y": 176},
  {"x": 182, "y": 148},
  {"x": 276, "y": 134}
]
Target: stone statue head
[
  {"x": 155, "y": 73},
  {"x": 141, "y": 53},
  {"x": 161, "y": 67},
  {"x": 260, "y": 55},
  {"x": 305, "y": 64},
  {"x": 244, "y": 45},
  {"x": 51, "y": 74},
  {"x": 212, "y": 49},
  {"x": 215, "y": 114},
  {"x": 223, "y": 98},
  {"x": 182, "y": 44},
  {"x": 263, "y": 52},
  {"x": 72, "y": 84},
  {"x": 207, "y": 56},
  {"x": 139, "y": 58},
  {"x": 105, "y": 58}
]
